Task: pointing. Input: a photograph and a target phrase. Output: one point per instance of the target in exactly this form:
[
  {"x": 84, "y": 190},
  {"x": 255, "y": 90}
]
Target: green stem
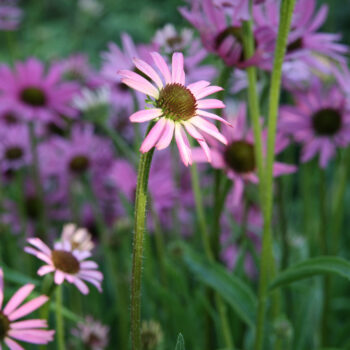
[
  {"x": 206, "y": 244},
  {"x": 140, "y": 218},
  {"x": 267, "y": 263},
  {"x": 59, "y": 320},
  {"x": 324, "y": 251},
  {"x": 37, "y": 180}
]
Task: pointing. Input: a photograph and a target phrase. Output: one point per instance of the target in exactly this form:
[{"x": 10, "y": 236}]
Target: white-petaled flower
[
  {"x": 79, "y": 238},
  {"x": 170, "y": 40},
  {"x": 90, "y": 99}
]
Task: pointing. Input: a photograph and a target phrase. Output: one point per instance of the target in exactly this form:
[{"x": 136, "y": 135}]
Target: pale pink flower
[
  {"x": 92, "y": 333},
  {"x": 175, "y": 106},
  {"x": 79, "y": 238},
  {"x": 30, "y": 331},
  {"x": 67, "y": 264}
]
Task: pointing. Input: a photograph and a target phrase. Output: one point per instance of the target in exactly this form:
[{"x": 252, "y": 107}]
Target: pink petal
[
  {"x": 148, "y": 70},
  {"x": 153, "y": 136},
  {"x": 146, "y": 88},
  {"x": 213, "y": 116},
  {"x": 97, "y": 284},
  {"x": 178, "y": 75},
  {"x": 167, "y": 135},
  {"x": 88, "y": 265},
  {"x": 28, "y": 307},
  {"x": 198, "y": 86},
  {"x": 91, "y": 274},
  {"x": 162, "y": 66},
  {"x": 59, "y": 277},
  {"x": 38, "y": 243},
  {"x": 238, "y": 191},
  {"x": 183, "y": 146},
  {"x": 195, "y": 134},
  {"x": 210, "y": 103},
  {"x": 18, "y": 298},
  {"x": 209, "y": 128},
  {"x": 43, "y": 270},
  {"x": 12, "y": 344},
  {"x": 282, "y": 169},
  {"x": 81, "y": 286},
  {"x": 145, "y": 115},
  {"x": 208, "y": 91},
  {"x": 38, "y": 254},
  {"x": 29, "y": 324},
  {"x": 34, "y": 336}
]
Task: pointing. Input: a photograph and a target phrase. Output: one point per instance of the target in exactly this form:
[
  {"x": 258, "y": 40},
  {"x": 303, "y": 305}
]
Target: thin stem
[
  {"x": 207, "y": 248},
  {"x": 140, "y": 216},
  {"x": 267, "y": 263},
  {"x": 37, "y": 180},
  {"x": 324, "y": 251},
  {"x": 253, "y": 103},
  {"x": 59, "y": 320}
]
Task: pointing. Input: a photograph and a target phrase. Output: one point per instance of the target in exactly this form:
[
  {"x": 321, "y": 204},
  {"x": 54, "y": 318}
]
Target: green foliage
[{"x": 180, "y": 344}]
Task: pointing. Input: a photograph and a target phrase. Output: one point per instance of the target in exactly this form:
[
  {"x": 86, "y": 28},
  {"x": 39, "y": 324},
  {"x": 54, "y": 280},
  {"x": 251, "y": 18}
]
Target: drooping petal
[
  {"x": 209, "y": 128},
  {"x": 44, "y": 270},
  {"x": 1, "y": 287},
  {"x": 145, "y": 115},
  {"x": 59, "y": 277},
  {"x": 38, "y": 243},
  {"x": 183, "y": 146},
  {"x": 200, "y": 139},
  {"x": 81, "y": 286},
  {"x": 142, "y": 86},
  {"x": 12, "y": 344},
  {"x": 213, "y": 116},
  {"x": 208, "y": 91},
  {"x": 29, "y": 324},
  {"x": 153, "y": 136},
  {"x": 167, "y": 135}
]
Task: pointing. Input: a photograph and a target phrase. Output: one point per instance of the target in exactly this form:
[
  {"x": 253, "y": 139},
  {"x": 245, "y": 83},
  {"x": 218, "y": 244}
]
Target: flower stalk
[
  {"x": 267, "y": 263},
  {"x": 59, "y": 319},
  {"x": 139, "y": 227}
]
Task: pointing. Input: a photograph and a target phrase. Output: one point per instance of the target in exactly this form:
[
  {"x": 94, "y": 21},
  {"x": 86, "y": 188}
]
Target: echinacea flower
[
  {"x": 304, "y": 42},
  {"x": 320, "y": 121},
  {"x": 30, "y": 331},
  {"x": 35, "y": 95},
  {"x": 221, "y": 32},
  {"x": 175, "y": 106},
  {"x": 79, "y": 237},
  {"x": 92, "y": 333},
  {"x": 66, "y": 264},
  {"x": 10, "y": 15},
  {"x": 15, "y": 149},
  {"x": 237, "y": 158},
  {"x": 151, "y": 335}
]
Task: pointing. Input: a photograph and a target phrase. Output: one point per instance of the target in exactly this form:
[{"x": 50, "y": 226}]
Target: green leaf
[
  {"x": 180, "y": 344},
  {"x": 235, "y": 292},
  {"x": 312, "y": 267}
]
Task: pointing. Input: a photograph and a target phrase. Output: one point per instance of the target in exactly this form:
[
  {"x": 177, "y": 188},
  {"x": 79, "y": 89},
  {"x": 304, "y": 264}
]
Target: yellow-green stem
[
  {"x": 267, "y": 263},
  {"x": 140, "y": 216},
  {"x": 59, "y": 319}
]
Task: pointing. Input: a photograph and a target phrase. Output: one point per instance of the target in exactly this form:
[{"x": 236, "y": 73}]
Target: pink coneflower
[
  {"x": 92, "y": 333},
  {"x": 10, "y": 15},
  {"x": 67, "y": 264},
  {"x": 303, "y": 41},
  {"x": 30, "y": 331},
  {"x": 237, "y": 158},
  {"x": 221, "y": 32},
  {"x": 320, "y": 121},
  {"x": 15, "y": 149},
  {"x": 34, "y": 95},
  {"x": 176, "y": 107}
]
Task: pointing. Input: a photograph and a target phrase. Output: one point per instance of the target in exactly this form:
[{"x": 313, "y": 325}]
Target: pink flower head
[
  {"x": 15, "y": 149},
  {"x": 92, "y": 333},
  {"x": 30, "y": 331},
  {"x": 304, "y": 43},
  {"x": 10, "y": 15},
  {"x": 320, "y": 121},
  {"x": 67, "y": 264},
  {"x": 35, "y": 95},
  {"x": 175, "y": 106},
  {"x": 237, "y": 158},
  {"x": 218, "y": 35}
]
